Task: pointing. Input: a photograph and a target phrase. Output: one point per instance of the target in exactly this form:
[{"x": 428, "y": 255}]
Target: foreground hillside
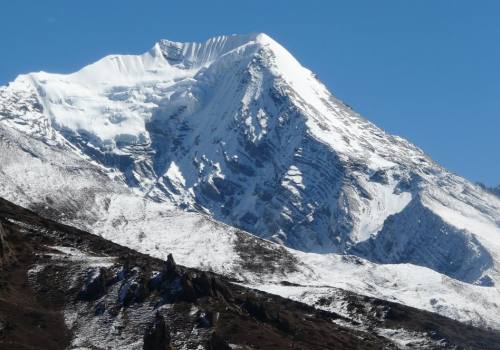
[{"x": 65, "y": 288}]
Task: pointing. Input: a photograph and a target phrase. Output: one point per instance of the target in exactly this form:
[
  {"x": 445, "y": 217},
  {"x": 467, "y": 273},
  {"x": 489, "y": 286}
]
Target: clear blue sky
[{"x": 427, "y": 70}]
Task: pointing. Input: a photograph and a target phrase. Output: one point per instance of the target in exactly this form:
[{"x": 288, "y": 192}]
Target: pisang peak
[{"x": 197, "y": 149}]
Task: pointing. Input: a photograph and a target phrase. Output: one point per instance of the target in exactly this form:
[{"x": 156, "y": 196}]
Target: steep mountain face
[
  {"x": 236, "y": 130},
  {"x": 67, "y": 289}
]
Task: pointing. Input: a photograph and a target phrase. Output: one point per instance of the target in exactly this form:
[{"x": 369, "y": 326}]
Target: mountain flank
[{"x": 65, "y": 288}]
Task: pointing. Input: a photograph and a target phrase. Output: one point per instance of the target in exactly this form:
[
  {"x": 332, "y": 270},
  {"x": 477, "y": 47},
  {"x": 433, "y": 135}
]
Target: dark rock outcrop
[
  {"x": 95, "y": 284},
  {"x": 5, "y": 252},
  {"x": 157, "y": 336},
  {"x": 207, "y": 319},
  {"x": 134, "y": 289},
  {"x": 171, "y": 269},
  {"x": 216, "y": 342}
]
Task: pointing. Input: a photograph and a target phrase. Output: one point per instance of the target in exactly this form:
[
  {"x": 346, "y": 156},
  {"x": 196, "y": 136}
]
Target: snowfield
[{"x": 235, "y": 158}]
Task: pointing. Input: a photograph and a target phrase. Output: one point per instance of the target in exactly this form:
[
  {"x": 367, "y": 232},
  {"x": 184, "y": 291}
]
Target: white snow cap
[{"x": 129, "y": 86}]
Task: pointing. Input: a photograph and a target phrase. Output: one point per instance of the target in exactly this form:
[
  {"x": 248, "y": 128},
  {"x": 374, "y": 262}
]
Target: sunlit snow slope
[{"x": 237, "y": 131}]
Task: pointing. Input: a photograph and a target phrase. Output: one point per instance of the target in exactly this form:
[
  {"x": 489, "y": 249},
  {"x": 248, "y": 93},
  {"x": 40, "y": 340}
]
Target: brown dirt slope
[{"x": 113, "y": 297}]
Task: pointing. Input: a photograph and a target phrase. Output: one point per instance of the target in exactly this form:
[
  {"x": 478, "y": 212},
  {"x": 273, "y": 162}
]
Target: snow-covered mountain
[
  {"x": 186, "y": 147},
  {"x": 494, "y": 190}
]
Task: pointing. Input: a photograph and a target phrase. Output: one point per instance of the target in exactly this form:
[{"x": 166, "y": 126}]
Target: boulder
[
  {"x": 95, "y": 284},
  {"x": 206, "y": 319},
  {"x": 133, "y": 290},
  {"x": 216, "y": 342},
  {"x": 157, "y": 336}
]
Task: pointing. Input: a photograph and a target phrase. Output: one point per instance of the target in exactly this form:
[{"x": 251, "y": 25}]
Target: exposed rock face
[
  {"x": 95, "y": 284},
  {"x": 217, "y": 343},
  {"x": 463, "y": 257},
  {"x": 5, "y": 252},
  {"x": 157, "y": 335}
]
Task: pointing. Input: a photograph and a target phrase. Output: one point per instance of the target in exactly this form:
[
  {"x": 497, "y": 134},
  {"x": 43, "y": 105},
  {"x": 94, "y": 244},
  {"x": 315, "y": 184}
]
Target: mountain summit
[{"x": 237, "y": 132}]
